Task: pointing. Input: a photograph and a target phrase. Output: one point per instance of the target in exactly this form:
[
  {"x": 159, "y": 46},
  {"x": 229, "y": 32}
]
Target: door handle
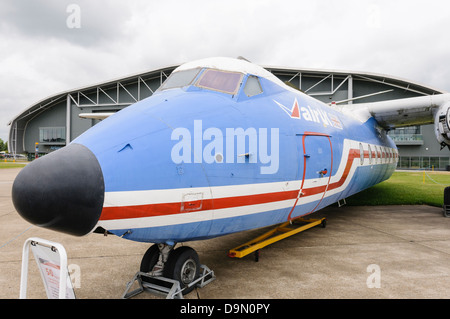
[{"x": 323, "y": 172}]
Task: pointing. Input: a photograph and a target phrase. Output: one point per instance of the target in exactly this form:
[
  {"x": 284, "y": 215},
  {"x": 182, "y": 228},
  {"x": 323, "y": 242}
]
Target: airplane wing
[
  {"x": 96, "y": 116},
  {"x": 408, "y": 112}
]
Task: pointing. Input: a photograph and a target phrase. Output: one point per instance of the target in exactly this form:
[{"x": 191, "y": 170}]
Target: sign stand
[{"x": 51, "y": 259}]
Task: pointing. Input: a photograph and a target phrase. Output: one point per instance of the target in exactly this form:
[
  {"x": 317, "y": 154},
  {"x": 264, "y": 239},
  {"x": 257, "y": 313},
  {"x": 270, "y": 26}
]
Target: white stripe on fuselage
[{"x": 149, "y": 197}]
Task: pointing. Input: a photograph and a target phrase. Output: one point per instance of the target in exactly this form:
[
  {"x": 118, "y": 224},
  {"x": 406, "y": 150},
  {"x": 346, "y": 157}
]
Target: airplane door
[{"x": 317, "y": 158}]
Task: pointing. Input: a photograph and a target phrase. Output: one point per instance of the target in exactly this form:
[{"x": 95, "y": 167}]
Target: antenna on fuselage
[{"x": 242, "y": 58}]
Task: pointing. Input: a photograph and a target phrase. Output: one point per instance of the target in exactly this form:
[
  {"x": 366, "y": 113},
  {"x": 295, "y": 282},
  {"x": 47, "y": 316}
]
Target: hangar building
[{"x": 53, "y": 122}]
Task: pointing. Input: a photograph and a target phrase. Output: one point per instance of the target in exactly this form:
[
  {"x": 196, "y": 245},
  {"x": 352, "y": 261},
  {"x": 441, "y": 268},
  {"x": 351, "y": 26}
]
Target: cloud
[
  {"x": 99, "y": 21},
  {"x": 41, "y": 56}
]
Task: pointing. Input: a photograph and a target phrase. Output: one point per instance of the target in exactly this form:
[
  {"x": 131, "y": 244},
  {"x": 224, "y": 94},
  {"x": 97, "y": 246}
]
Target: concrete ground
[{"x": 399, "y": 251}]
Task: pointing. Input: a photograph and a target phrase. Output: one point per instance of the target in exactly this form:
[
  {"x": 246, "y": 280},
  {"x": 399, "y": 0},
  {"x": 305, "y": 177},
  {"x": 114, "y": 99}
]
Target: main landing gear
[{"x": 169, "y": 271}]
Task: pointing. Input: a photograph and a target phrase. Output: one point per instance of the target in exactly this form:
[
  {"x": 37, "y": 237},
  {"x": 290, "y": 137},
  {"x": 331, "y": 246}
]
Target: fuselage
[
  {"x": 220, "y": 149},
  {"x": 194, "y": 163}
]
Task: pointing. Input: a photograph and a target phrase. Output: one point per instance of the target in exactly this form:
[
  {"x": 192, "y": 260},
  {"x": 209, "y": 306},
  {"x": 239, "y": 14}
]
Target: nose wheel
[
  {"x": 169, "y": 272},
  {"x": 181, "y": 264}
]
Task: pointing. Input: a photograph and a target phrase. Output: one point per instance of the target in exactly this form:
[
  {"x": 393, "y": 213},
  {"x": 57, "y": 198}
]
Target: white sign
[{"x": 51, "y": 259}]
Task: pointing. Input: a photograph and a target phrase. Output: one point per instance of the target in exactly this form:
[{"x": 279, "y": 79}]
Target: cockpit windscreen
[
  {"x": 179, "y": 79},
  {"x": 222, "y": 81}
]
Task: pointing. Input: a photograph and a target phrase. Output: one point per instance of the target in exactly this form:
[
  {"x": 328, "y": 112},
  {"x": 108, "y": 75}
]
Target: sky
[{"x": 50, "y": 46}]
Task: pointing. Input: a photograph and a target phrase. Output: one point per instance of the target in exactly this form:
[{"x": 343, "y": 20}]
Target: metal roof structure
[{"x": 61, "y": 110}]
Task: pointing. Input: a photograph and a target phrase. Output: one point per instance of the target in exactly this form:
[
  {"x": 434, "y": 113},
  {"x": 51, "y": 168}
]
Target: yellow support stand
[{"x": 282, "y": 231}]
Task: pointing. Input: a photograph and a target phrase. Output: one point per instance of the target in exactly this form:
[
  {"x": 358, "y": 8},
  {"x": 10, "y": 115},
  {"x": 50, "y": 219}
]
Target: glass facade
[
  {"x": 52, "y": 135},
  {"x": 424, "y": 162},
  {"x": 411, "y": 135}
]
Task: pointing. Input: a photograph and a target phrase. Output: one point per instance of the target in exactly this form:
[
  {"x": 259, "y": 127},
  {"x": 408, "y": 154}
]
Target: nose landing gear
[
  {"x": 183, "y": 265},
  {"x": 169, "y": 271}
]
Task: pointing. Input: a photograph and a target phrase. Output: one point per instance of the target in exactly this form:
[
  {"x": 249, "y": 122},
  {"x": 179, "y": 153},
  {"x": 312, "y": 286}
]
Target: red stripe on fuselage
[{"x": 151, "y": 210}]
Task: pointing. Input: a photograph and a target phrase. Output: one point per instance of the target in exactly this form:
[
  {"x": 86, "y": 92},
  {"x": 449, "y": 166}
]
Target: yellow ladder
[{"x": 280, "y": 232}]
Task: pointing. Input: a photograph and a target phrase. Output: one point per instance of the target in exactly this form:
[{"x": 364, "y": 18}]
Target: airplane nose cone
[{"x": 62, "y": 191}]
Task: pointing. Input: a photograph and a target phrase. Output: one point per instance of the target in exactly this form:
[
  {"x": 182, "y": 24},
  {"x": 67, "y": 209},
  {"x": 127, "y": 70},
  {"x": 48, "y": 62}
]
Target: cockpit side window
[
  {"x": 180, "y": 79},
  {"x": 252, "y": 86},
  {"x": 222, "y": 81}
]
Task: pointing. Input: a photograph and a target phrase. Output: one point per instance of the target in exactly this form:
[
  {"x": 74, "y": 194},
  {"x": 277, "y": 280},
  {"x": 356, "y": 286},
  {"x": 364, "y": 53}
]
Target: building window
[
  {"x": 411, "y": 135},
  {"x": 424, "y": 162},
  {"x": 52, "y": 135}
]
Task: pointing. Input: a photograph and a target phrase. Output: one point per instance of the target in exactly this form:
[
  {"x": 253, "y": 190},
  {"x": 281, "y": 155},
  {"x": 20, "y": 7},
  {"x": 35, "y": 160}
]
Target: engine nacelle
[{"x": 442, "y": 125}]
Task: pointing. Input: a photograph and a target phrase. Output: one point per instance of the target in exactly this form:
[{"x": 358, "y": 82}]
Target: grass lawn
[
  {"x": 11, "y": 165},
  {"x": 405, "y": 188}
]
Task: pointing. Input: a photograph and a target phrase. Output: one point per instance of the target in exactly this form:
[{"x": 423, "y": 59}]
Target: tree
[{"x": 3, "y": 146}]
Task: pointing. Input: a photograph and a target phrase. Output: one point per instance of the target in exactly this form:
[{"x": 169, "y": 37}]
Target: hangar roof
[
  {"x": 277, "y": 70},
  {"x": 323, "y": 84}
]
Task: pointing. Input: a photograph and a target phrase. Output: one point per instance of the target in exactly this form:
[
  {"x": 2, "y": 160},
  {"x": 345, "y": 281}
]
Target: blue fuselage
[{"x": 191, "y": 163}]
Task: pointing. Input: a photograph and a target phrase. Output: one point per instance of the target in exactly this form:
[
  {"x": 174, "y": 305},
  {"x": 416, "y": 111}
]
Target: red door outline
[{"x": 300, "y": 193}]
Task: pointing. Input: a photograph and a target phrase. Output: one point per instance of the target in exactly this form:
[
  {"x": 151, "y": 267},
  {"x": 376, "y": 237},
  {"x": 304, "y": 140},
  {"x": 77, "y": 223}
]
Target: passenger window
[
  {"x": 361, "y": 153},
  {"x": 380, "y": 155},
  {"x": 252, "y": 87}
]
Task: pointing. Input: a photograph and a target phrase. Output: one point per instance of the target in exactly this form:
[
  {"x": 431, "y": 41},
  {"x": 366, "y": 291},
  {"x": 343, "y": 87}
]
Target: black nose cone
[{"x": 62, "y": 191}]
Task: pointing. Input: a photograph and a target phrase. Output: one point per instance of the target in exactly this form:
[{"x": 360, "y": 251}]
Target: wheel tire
[
  {"x": 445, "y": 211},
  {"x": 183, "y": 265},
  {"x": 447, "y": 196},
  {"x": 446, "y": 206},
  {"x": 150, "y": 259}
]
